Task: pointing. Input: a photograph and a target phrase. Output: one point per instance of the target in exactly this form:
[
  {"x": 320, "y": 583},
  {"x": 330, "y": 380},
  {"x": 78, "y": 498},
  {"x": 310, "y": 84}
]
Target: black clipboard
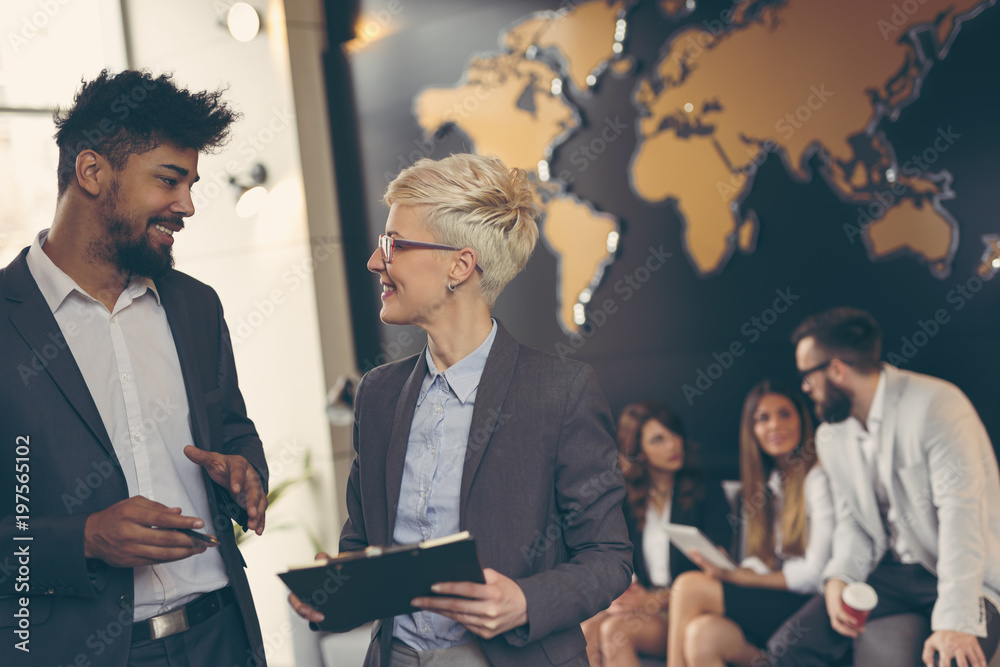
[{"x": 361, "y": 586}]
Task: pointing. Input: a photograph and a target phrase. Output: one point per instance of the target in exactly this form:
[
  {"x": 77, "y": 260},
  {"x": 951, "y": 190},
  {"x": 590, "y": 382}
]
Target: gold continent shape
[{"x": 800, "y": 77}]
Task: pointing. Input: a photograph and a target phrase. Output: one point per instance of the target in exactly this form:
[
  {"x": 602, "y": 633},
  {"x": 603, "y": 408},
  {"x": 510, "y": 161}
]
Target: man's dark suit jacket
[
  {"x": 81, "y": 609},
  {"x": 541, "y": 492},
  {"x": 707, "y": 514}
]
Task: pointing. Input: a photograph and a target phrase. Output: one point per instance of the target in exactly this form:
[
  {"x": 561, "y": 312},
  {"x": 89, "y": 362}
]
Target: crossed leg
[
  {"x": 616, "y": 640},
  {"x": 699, "y": 635}
]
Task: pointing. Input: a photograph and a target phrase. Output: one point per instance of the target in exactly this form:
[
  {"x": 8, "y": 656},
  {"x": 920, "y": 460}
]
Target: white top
[
  {"x": 868, "y": 441},
  {"x": 656, "y": 544},
  {"x": 129, "y": 361},
  {"x": 802, "y": 573}
]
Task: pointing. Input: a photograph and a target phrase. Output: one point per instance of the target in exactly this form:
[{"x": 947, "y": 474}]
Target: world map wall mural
[
  {"x": 705, "y": 125},
  {"x": 710, "y": 173}
]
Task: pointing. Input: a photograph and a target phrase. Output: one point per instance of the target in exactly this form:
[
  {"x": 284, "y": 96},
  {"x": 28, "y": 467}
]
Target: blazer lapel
[
  {"x": 493, "y": 387},
  {"x": 887, "y": 443},
  {"x": 179, "y": 318},
  {"x": 36, "y": 324},
  {"x": 860, "y": 479},
  {"x": 395, "y": 456}
]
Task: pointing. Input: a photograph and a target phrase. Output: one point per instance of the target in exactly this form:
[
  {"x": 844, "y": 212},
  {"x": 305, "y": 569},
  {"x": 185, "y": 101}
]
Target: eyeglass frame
[
  {"x": 388, "y": 248},
  {"x": 804, "y": 375}
]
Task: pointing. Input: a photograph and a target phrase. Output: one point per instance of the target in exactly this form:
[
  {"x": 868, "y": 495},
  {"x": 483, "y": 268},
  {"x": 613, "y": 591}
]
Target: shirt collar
[
  {"x": 55, "y": 285},
  {"x": 875, "y": 411},
  {"x": 878, "y": 401},
  {"x": 463, "y": 377}
]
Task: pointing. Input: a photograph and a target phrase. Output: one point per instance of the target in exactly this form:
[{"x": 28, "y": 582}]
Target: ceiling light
[{"x": 243, "y": 21}]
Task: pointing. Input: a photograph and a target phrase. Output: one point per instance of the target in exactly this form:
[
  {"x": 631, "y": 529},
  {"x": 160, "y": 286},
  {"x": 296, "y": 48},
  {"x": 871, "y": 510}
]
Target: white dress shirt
[
  {"x": 656, "y": 544},
  {"x": 868, "y": 441},
  {"x": 129, "y": 361},
  {"x": 802, "y": 573}
]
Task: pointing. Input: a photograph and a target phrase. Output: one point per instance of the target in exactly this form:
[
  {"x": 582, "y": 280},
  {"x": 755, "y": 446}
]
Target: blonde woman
[
  {"x": 483, "y": 434},
  {"x": 718, "y": 617}
]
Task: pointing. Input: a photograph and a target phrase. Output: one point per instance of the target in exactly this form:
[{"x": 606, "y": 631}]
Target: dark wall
[{"x": 665, "y": 334}]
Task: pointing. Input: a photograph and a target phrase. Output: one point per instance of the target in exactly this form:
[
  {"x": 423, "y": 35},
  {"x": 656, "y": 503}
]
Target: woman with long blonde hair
[{"x": 720, "y": 617}]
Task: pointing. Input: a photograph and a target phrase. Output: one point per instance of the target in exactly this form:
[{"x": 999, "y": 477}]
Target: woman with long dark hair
[
  {"x": 662, "y": 486},
  {"x": 721, "y": 617}
]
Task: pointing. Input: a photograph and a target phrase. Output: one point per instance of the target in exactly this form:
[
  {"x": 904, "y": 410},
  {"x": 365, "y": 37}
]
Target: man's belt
[{"x": 183, "y": 618}]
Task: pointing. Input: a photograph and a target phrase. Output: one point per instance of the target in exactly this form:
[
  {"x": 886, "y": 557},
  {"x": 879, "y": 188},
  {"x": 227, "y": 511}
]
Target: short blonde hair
[{"x": 474, "y": 202}]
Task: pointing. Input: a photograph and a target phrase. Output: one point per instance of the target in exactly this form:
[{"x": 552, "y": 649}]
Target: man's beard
[
  {"x": 836, "y": 407},
  {"x": 133, "y": 252}
]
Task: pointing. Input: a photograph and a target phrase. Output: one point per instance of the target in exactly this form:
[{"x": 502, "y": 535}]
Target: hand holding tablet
[{"x": 689, "y": 539}]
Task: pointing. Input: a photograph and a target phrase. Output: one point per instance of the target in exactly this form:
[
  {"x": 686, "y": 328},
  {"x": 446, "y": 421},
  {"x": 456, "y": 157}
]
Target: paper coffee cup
[{"x": 858, "y": 600}]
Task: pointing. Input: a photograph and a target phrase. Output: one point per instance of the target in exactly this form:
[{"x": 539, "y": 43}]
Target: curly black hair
[{"x": 118, "y": 115}]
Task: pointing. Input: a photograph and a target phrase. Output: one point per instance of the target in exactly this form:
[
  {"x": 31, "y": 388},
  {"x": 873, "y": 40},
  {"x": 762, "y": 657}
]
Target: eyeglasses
[
  {"x": 804, "y": 375},
  {"x": 388, "y": 244}
]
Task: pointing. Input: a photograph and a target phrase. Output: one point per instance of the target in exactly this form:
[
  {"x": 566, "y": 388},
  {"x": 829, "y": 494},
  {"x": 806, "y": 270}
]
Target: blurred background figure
[
  {"x": 721, "y": 617},
  {"x": 662, "y": 486}
]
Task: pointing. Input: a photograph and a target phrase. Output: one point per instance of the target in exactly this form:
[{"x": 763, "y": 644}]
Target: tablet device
[{"x": 689, "y": 538}]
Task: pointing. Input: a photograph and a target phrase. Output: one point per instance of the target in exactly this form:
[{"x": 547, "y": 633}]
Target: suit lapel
[
  {"x": 493, "y": 387},
  {"x": 859, "y": 478},
  {"x": 39, "y": 329},
  {"x": 395, "y": 456},
  {"x": 887, "y": 443}
]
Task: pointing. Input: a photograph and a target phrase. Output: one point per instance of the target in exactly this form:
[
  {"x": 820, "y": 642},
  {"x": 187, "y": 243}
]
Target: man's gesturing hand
[
  {"x": 122, "y": 536},
  {"x": 234, "y": 472},
  {"x": 495, "y": 607}
]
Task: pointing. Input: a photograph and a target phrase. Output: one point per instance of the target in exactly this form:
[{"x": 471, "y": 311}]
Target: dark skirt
[{"x": 760, "y": 611}]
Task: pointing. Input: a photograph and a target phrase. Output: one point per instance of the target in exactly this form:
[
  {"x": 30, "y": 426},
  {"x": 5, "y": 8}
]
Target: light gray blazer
[{"x": 945, "y": 485}]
